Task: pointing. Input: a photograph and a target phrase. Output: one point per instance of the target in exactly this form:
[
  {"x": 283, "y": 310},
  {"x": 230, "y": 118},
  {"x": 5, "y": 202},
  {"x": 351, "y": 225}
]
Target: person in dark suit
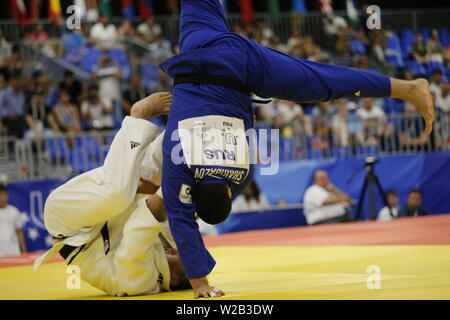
[{"x": 413, "y": 206}]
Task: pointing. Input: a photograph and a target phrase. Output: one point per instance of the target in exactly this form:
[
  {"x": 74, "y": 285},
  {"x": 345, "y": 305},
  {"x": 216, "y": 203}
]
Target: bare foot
[
  {"x": 154, "y": 105},
  {"x": 422, "y": 100},
  {"x": 417, "y": 92}
]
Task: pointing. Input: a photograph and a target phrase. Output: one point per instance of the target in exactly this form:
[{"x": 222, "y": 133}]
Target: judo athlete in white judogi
[{"x": 105, "y": 227}]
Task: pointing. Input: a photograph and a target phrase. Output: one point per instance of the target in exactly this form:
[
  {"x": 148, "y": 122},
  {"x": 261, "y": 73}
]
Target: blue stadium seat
[
  {"x": 444, "y": 36},
  {"x": 150, "y": 73},
  {"x": 90, "y": 59},
  {"x": 394, "y": 51},
  {"x": 57, "y": 148},
  {"x": 357, "y": 46},
  {"x": 407, "y": 40},
  {"x": 425, "y": 34},
  {"x": 416, "y": 68},
  {"x": 393, "y": 105},
  {"x": 433, "y": 65},
  {"x": 119, "y": 56}
]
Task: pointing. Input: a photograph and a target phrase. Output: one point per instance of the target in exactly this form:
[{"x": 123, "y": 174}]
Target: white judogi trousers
[{"x": 133, "y": 260}]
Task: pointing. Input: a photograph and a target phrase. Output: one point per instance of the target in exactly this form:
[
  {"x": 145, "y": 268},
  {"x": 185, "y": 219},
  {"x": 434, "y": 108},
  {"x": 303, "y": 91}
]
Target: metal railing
[
  {"x": 352, "y": 137},
  {"x": 310, "y": 23},
  {"x": 64, "y": 156}
]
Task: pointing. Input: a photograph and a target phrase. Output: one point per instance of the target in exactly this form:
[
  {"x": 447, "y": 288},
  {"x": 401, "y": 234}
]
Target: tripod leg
[
  {"x": 383, "y": 195},
  {"x": 361, "y": 198}
]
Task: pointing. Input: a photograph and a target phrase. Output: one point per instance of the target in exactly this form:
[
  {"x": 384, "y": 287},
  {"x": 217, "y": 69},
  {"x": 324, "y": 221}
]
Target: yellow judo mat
[{"x": 279, "y": 272}]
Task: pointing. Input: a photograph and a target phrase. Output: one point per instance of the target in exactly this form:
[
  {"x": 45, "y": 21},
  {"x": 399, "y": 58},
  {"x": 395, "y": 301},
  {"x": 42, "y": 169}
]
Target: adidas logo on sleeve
[{"x": 134, "y": 144}]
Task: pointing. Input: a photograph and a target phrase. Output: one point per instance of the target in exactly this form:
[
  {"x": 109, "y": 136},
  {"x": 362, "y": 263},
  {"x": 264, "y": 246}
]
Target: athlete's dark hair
[{"x": 212, "y": 202}]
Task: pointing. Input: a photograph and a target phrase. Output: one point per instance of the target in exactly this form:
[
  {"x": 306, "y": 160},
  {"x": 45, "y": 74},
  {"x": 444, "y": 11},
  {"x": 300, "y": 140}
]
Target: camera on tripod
[{"x": 370, "y": 163}]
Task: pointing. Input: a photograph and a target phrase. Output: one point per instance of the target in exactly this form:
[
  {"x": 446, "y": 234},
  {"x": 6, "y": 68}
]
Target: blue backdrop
[{"x": 428, "y": 172}]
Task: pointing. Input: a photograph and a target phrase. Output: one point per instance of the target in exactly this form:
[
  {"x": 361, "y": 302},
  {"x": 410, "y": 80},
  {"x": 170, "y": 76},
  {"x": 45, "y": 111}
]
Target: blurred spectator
[
  {"x": 412, "y": 135},
  {"x": 434, "y": 47},
  {"x": 149, "y": 29},
  {"x": 251, "y": 200},
  {"x": 97, "y": 115},
  {"x": 66, "y": 115},
  {"x": 342, "y": 55},
  {"x": 443, "y": 98},
  {"x": 12, "y": 107},
  {"x": 334, "y": 25},
  {"x": 39, "y": 117},
  {"x": 419, "y": 50},
  {"x": 72, "y": 86},
  {"x": 126, "y": 29},
  {"x": 134, "y": 94},
  {"x": 108, "y": 74},
  {"x": 379, "y": 55},
  {"x": 413, "y": 206},
  {"x": 5, "y": 49},
  {"x": 392, "y": 200},
  {"x": 104, "y": 33},
  {"x": 347, "y": 128},
  {"x": 322, "y": 116},
  {"x": 436, "y": 82},
  {"x": 294, "y": 43},
  {"x": 38, "y": 34},
  {"x": 12, "y": 66},
  {"x": 12, "y": 240},
  {"x": 160, "y": 49},
  {"x": 323, "y": 203},
  {"x": 287, "y": 113},
  {"x": 56, "y": 28},
  {"x": 374, "y": 121}
]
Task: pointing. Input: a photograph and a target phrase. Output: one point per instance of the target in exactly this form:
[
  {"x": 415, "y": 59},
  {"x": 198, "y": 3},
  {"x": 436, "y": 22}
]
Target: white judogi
[{"x": 136, "y": 262}]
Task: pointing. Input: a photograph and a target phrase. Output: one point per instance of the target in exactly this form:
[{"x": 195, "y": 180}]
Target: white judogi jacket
[{"x": 133, "y": 261}]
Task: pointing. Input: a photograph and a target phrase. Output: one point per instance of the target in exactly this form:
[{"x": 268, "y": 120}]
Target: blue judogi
[{"x": 209, "y": 47}]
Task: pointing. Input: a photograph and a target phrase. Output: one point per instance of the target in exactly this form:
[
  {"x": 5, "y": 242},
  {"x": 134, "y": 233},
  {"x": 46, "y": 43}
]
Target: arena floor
[{"x": 320, "y": 262}]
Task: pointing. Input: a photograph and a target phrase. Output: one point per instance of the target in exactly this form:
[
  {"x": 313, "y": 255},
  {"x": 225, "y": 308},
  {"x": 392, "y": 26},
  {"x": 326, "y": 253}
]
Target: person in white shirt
[
  {"x": 95, "y": 112},
  {"x": 288, "y": 112},
  {"x": 392, "y": 200},
  {"x": 324, "y": 203},
  {"x": 104, "y": 33},
  {"x": 149, "y": 29},
  {"x": 12, "y": 240},
  {"x": 251, "y": 200},
  {"x": 436, "y": 82},
  {"x": 108, "y": 75},
  {"x": 374, "y": 120},
  {"x": 104, "y": 222},
  {"x": 443, "y": 98}
]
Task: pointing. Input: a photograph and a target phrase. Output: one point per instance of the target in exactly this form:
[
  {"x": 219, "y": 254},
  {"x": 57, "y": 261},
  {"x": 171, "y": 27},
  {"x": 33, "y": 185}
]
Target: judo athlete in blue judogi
[{"x": 214, "y": 75}]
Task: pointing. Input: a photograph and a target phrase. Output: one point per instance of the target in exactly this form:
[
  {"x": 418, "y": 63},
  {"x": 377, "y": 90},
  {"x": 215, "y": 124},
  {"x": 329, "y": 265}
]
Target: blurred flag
[
  {"x": 299, "y": 6},
  {"x": 81, "y": 4},
  {"x": 246, "y": 10},
  {"x": 35, "y": 7},
  {"x": 274, "y": 9},
  {"x": 146, "y": 8},
  {"x": 128, "y": 10},
  {"x": 54, "y": 9},
  {"x": 352, "y": 12},
  {"x": 105, "y": 8},
  {"x": 19, "y": 11}
]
